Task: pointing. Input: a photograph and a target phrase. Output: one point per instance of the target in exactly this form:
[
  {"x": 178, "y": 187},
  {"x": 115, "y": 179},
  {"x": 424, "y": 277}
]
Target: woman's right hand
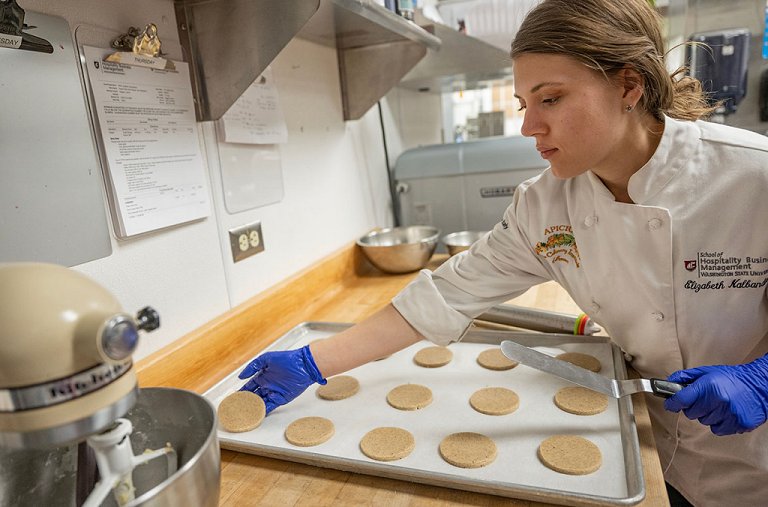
[{"x": 279, "y": 377}]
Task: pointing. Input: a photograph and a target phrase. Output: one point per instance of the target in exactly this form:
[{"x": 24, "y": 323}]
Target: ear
[{"x": 631, "y": 82}]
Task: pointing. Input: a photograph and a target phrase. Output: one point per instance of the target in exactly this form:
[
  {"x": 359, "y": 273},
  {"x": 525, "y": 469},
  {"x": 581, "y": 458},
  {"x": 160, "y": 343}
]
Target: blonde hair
[{"x": 610, "y": 35}]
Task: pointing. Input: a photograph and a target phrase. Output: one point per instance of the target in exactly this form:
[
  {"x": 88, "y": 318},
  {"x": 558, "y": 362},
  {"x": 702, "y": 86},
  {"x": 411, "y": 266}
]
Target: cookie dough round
[
  {"x": 387, "y": 444},
  {"x": 433, "y": 357},
  {"x": 409, "y": 397},
  {"x": 468, "y": 450},
  {"x": 570, "y": 454},
  {"x": 494, "y": 359},
  {"x": 584, "y": 360},
  {"x": 309, "y": 431},
  {"x": 495, "y": 401},
  {"x": 338, "y": 388},
  {"x": 241, "y": 411},
  {"x": 581, "y": 401}
]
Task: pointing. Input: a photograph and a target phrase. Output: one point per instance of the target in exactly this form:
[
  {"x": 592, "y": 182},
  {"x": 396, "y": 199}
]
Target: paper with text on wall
[
  {"x": 256, "y": 116},
  {"x": 150, "y": 147}
]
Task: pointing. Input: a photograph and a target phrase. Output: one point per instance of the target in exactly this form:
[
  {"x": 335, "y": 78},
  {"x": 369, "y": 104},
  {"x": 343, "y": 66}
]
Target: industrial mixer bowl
[{"x": 161, "y": 416}]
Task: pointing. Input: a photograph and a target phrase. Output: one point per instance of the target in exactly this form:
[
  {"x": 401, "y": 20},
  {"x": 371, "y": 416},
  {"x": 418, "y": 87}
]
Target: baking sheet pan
[{"x": 516, "y": 472}]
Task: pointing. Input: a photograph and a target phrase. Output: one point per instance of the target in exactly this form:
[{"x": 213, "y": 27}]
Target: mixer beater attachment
[{"x": 115, "y": 461}]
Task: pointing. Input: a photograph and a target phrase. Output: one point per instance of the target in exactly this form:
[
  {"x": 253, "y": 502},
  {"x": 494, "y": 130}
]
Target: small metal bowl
[
  {"x": 462, "y": 240},
  {"x": 400, "y": 249}
]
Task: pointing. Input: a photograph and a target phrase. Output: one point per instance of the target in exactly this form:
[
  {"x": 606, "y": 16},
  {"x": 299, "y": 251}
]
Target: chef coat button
[
  {"x": 658, "y": 316},
  {"x": 590, "y": 220},
  {"x": 654, "y": 223},
  {"x": 594, "y": 307}
]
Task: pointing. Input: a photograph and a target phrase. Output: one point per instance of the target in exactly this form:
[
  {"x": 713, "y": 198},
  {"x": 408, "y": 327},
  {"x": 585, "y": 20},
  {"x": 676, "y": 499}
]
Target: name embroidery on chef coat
[
  {"x": 560, "y": 245},
  {"x": 717, "y": 270}
]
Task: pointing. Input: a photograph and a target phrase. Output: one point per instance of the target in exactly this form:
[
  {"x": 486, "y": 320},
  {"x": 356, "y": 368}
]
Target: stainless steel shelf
[
  {"x": 229, "y": 43},
  {"x": 463, "y": 63},
  {"x": 376, "y": 48}
]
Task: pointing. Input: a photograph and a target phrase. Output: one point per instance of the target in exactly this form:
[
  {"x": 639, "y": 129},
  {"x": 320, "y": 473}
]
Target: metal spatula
[{"x": 586, "y": 378}]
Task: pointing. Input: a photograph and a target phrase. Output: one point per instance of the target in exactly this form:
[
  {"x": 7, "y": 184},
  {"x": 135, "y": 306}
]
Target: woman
[{"x": 662, "y": 251}]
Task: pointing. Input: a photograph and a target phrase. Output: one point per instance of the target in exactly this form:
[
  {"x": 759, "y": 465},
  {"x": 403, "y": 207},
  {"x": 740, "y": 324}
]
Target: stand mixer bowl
[{"x": 161, "y": 416}]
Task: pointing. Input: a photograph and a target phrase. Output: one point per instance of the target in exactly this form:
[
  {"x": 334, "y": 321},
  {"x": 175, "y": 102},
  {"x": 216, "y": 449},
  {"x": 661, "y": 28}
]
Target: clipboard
[{"x": 152, "y": 161}]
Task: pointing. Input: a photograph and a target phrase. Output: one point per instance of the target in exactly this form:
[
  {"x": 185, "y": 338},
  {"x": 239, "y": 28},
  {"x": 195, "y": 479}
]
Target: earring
[{"x": 629, "y": 108}]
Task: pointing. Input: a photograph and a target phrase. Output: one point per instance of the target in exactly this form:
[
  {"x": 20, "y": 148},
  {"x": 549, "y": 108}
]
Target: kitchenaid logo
[
  {"x": 86, "y": 382},
  {"x": 59, "y": 391},
  {"x": 560, "y": 245}
]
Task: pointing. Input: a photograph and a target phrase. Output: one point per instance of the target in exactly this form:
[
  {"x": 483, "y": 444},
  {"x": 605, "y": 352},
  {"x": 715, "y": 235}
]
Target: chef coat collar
[{"x": 674, "y": 150}]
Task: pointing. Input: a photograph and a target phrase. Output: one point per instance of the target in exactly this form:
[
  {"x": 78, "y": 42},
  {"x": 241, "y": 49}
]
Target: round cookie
[
  {"x": 309, "y": 431},
  {"x": 387, "y": 444},
  {"x": 569, "y": 454},
  {"x": 580, "y": 401},
  {"x": 584, "y": 360},
  {"x": 409, "y": 397},
  {"x": 433, "y": 357},
  {"x": 495, "y": 401},
  {"x": 241, "y": 411},
  {"x": 468, "y": 450},
  {"x": 338, "y": 388},
  {"x": 494, "y": 359}
]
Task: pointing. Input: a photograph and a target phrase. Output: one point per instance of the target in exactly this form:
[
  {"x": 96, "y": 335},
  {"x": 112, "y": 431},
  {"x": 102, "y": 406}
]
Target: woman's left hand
[{"x": 728, "y": 399}]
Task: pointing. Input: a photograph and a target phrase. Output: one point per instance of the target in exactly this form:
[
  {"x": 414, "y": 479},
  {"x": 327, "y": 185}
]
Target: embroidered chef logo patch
[
  {"x": 560, "y": 245},
  {"x": 718, "y": 270}
]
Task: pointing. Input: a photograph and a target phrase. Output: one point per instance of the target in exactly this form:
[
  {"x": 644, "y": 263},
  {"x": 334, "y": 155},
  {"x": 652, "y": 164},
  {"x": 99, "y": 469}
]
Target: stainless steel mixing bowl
[
  {"x": 182, "y": 418},
  {"x": 459, "y": 241},
  {"x": 400, "y": 249}
]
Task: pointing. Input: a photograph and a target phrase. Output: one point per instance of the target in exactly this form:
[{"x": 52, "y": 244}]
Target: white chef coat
[{"x": 677, "y": 279}]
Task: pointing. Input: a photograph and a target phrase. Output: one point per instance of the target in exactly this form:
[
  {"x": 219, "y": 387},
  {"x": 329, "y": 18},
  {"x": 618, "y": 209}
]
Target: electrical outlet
[{"x": 245, "y": 241}]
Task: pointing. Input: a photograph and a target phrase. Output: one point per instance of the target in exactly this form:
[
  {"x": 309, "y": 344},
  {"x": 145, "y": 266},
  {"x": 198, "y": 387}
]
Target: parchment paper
[{"x": 517, "y": 435}]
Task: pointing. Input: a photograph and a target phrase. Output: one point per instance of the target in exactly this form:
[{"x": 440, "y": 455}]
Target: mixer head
[{"x": 65, "y": 356}]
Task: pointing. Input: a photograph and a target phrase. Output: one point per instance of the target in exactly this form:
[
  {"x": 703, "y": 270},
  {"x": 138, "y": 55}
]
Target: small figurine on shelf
[{"x": 405, "y": 8}]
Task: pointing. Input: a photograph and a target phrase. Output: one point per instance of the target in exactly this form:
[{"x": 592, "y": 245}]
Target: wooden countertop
[{"x": 341, "y": 288}]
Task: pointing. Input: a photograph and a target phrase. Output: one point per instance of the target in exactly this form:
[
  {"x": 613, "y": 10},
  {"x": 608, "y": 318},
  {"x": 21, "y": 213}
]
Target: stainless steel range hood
[{"x": 230, "y": 42}]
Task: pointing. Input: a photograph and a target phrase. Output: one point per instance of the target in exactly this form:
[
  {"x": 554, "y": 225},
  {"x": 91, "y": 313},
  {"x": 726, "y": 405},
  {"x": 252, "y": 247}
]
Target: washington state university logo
[
  {"x": 690, "y": 265},
  {"x": 560, "y": 245}
]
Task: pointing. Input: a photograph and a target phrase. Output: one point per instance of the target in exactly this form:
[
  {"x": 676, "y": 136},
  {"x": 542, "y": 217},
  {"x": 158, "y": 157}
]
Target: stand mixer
[{"x": 66, "y": 379}]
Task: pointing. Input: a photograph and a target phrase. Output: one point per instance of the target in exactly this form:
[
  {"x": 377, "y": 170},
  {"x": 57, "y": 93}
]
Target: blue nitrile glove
[
  {"x": 728, "y": 399},
  {"x": 279, "y": 377}
]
